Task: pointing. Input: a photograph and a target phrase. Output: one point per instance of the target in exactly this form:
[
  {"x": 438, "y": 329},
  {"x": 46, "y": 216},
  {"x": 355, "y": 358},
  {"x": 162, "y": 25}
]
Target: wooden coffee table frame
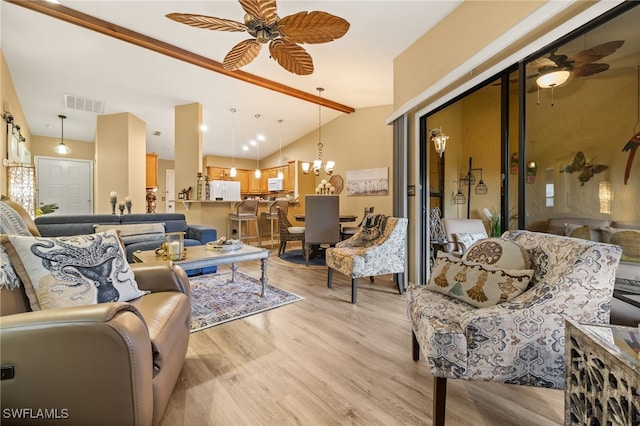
[{"x": 200, "y": 257}]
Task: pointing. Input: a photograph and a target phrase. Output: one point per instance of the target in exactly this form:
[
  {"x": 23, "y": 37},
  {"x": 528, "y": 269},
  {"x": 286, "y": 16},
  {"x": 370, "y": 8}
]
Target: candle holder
[
  {"x": 128, "y": 204},
  {"x": 113, "y": 206},
  {"x": 121, "y": 208},
  {"x": 173, "y": 246}
]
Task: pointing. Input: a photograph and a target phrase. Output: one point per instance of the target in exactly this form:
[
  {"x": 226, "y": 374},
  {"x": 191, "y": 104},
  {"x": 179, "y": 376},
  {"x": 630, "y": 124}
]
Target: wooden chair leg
[
  {"x": 283, "y": 246},
  {"x": 415, "y": 347},
  {"x": 330, "y": 278},
  {"x": 354, "y": 290},
  {"x": 439, "y": 400}
]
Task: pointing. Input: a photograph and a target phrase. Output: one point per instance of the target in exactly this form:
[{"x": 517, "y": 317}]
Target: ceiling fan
[
  {"x": 262, "y": 22},
  {"x": 555, "y": 70}
]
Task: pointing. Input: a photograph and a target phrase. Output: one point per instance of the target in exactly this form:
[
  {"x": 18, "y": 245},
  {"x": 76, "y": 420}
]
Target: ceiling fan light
[{"x": 553, "y": 79}]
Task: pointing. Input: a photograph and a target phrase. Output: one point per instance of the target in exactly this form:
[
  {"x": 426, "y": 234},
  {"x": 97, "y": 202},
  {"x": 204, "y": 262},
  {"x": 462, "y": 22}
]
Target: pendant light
[
  {"x": 61, "y": 148},
  {"x": 258, "y": 138},
  {"x": 317, "y": 163},
  {"x": 280, "y": 174},
  {"x": 233, "y": 172}
]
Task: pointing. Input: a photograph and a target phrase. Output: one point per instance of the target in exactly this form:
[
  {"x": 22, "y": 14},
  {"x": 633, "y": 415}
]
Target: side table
[{"x": 602, "y": 375}]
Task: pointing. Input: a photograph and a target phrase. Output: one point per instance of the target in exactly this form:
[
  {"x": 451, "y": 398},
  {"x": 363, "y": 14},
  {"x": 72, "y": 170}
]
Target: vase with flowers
[{"x": 494, "y": 222}]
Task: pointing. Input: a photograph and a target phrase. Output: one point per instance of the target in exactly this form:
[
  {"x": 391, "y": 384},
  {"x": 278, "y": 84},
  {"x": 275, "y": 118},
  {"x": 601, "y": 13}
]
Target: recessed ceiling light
[
  {"x": 252, "y": 143},
  {"x": 156, "y": 133},
  {"x": 49, "y": 126},
  {"x": 203, "y": 127},
  {"x": 245, "y": 148}
]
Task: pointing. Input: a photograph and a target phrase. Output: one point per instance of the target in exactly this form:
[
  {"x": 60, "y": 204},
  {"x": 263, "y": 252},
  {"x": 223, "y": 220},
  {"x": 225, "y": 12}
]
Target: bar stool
[
  {"x": 272, "y": 214},
  {"x": 246, "y": 211}
]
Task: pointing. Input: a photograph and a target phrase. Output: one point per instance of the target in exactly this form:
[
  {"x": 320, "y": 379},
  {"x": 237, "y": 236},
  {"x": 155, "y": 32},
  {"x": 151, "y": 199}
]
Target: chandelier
[{"x": 317, "y": 163}]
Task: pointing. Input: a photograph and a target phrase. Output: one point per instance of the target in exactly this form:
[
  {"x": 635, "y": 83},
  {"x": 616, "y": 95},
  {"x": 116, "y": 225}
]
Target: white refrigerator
[{"x": 225, "y": 190}]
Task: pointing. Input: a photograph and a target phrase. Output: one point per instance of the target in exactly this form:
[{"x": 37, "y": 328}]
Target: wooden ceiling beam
[{"x": 107, "y": 28}]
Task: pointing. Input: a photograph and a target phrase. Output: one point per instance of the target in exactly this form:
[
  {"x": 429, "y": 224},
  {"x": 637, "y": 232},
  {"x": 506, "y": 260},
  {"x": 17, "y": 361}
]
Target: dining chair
[
  {"x": 287, "y": 231},
  {"x": 349, "y": 231},
  {"x": 322, "y": 221},
  {"x": 272, "y": 213},
  {"x": 246, "y": 211}
]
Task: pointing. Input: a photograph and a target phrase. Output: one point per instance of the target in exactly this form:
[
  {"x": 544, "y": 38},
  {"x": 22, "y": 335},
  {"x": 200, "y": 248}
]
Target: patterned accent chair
[
  {"x": 377, "y": 248},
  {"x": 520, "y": 341}
]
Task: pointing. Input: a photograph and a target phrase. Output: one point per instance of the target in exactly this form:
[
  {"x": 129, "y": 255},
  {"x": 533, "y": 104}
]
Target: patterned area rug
[
  {"x": 215, "y": 300},
  {"x": 296, "y": 259}
]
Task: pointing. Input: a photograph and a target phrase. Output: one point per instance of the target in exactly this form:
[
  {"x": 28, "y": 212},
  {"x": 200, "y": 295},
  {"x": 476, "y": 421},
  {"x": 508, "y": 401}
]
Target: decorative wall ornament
[{"x": 587, "y": 170}]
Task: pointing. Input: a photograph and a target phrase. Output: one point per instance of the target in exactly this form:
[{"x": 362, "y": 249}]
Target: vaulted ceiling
[{"x": 49, "y": 58}]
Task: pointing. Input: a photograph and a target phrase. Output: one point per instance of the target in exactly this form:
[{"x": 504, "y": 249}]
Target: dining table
[{"x": 343, "y": 217}]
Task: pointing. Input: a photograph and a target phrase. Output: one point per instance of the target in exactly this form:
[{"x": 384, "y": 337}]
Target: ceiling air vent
[{"x": 83, "y": 104}]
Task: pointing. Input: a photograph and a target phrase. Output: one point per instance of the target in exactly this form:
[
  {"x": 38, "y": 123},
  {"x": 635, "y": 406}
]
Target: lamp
[
  {"x": 481, "y": 187},
  {"x": 553, "y": 79},
  {"x": 605, "y": 196},
  {"x": 280, "y": 173},
  {"x": 258, "y": 138},
  {"x": 233, "y": 172},
  {"x": 439, "y": 140},
  {"x": 317, "y": 163},
  {"x": 459, "y": 198},
  {"x": 61, "y": 148}
]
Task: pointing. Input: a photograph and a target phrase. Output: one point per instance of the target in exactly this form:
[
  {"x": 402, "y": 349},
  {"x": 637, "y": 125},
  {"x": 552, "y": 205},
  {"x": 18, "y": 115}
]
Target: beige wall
[
  {"x": 9, "y": 103},
  {"x": 356, "y": 141},
  {"x": 118, "y": 134},
  {"x": 43, "y": 146}
]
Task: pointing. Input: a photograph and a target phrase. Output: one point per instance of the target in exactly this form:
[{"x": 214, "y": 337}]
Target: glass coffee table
[{"x": 201, "y": 257}]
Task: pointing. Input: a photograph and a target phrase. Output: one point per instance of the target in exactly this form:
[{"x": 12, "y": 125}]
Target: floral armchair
[
  {"x": 520, "y": 341},
  {"x": 378, "y": 247}
]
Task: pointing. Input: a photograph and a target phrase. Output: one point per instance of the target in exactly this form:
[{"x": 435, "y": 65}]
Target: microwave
[{"x": 274, "y": 184}]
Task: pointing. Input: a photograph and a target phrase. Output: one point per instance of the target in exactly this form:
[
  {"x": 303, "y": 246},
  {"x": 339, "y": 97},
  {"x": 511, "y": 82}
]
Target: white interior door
[
  {"x": 66, "y": 182},
  {"x": 170, "y": 192}
]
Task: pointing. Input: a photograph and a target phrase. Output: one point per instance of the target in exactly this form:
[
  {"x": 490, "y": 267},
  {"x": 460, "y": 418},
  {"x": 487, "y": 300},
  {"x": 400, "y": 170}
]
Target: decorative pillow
[
  {"x": 70, "y": 271},
  {"x": 467, "y": 239},
  {"x": 581, "y": 231},
  {"x": 372, "y": 227},
  {"x": 8, "y": 277},
  {"x": 11, "y": 222},
  {"x": 628, "y": 239},
  {"x": 476, "y": 284},
  {"x": 498, "y": 252},
  {"x": 136, "y": 232}
]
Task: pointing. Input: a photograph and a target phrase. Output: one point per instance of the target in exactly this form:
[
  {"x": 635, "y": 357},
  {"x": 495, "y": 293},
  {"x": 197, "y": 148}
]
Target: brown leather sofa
[{"x": 109, "y": 363}]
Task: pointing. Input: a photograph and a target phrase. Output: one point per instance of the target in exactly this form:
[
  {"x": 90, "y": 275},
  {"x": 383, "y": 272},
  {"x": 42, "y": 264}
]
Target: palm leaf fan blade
[
  {"x": 312, "y": 27},
  {"x": 589, "y": 69},
  {"x": 241, "y": 54},
  {"x": 291, "y": 57},
  {"x": 597, "y": 52},
  {"x": 263, "y": 10},
  {"x": 207, "y": 22}
]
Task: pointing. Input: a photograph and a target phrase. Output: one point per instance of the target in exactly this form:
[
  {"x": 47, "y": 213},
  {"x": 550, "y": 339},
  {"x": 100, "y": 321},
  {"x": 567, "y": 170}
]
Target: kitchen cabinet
[
  {"x": 151, "y": 179},
  {"x": 217, "y": 173},
  {"x": 290, "y": 180}
]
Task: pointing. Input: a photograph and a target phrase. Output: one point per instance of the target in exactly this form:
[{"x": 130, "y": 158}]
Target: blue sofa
[{"x": 55, "y": 225}]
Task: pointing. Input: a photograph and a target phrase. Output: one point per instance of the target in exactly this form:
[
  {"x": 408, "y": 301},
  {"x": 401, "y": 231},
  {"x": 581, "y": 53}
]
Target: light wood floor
[{"x": 324, "y": 361}]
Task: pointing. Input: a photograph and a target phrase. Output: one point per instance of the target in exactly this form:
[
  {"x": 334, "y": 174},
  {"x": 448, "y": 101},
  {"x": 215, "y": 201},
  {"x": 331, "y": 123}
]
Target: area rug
[
  {"x": 215, "y": 300},
  {"x": 296, "y": 259}
]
